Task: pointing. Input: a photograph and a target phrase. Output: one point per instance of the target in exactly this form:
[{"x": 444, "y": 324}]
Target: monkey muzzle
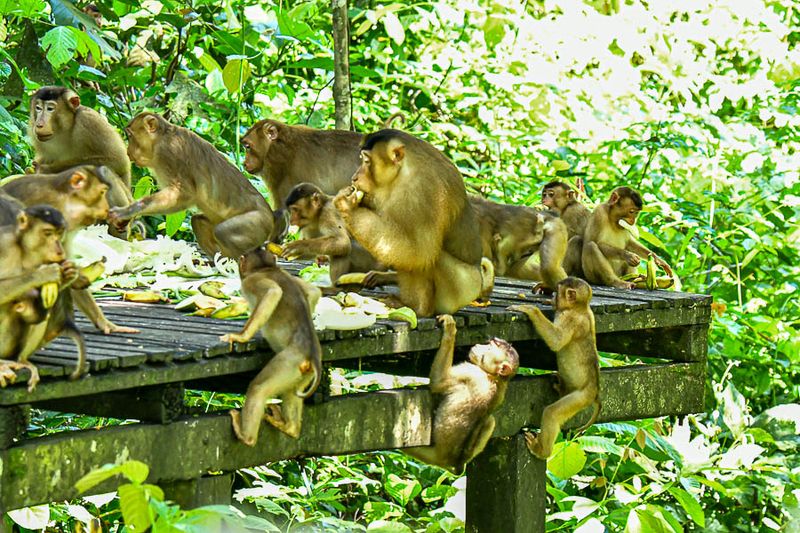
[{"x": 43, "y": 137}]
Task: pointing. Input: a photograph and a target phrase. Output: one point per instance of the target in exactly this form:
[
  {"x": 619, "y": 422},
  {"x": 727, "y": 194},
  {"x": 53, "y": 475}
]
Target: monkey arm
[
  {"x": 444, "y": 356},
  {"x": 391, "y": 243},
  {"x": 641, "y": 250},
  {"x": 164, "y": 202},
  {"x": 555, "y": 334},
  {"x": 13, "y": 288},
  {"x": 271, "y": 294},
  {"x": 330, "y": 245}
]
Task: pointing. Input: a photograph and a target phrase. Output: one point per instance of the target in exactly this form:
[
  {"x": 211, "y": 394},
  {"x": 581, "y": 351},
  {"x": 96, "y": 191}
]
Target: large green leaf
[
  {"x": 402, "y": 490},
  {"x": 235, "y": 74},
  {"x": 24, "y": 8},
  {"x": 690, "y": 505},
  {"x": 173, "y": 222},
  {"x": 566, "y": 460},
  {"x": 133, "y": 502},
  {"x": 66, "y": 14},
  {"x": 60, "y": 44}
]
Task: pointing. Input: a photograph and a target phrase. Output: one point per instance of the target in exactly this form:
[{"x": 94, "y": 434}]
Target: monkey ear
[
  {"x": 397, "y": 154},
  {"x": 571, "y": 194},
  {"x": 73, "y": 99},
  {"x": 504, "y": 369},
  {"x": 614, "y": 198},
  {"x": 77, "y": 180},
  {"x": 22, "y": 220},
  {"x": 271, "y": 131},
  {"x": 572, "y": 295},
  {"x": 150, "y": 124}
]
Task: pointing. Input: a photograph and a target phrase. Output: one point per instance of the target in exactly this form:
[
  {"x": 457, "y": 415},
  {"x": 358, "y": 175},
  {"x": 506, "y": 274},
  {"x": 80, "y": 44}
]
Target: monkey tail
[
  {"x": 597, "y": 405},
  {"x": 77, "y": 337},
  {"x": 316, "y": 361},
  {"x": 395, "y": 116}
]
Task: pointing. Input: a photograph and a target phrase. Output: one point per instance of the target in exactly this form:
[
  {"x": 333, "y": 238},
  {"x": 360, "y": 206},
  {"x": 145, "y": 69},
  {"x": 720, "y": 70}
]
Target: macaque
[
  {"x": 408, "y": 207},
  {"x": 611, "y": 251},
  {"x": 467, "y": 394},
  {"x": 323, "y": 233},
  {"x": 79, "y": 193},
  {"x": 190, "y": 172},
  {"x": 281, "y": 307},
  {"x": 285, "y": 156},
  {"x": 572, "y": 336},
  {"x": 512, "y": 234},
  {"x": 66, "y": 134},
  {"x": 561, "y": 198}
]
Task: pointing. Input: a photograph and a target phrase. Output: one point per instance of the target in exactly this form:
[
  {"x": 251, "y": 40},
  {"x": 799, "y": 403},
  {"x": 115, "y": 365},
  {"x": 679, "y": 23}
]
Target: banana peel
[
  {"x": 213, "y": 289},
  {"x": 200, "y": 301},
  {"x": 406, "y": 314},
  {"x": 144, "y": 297},
  {"x": 93, "y": 271},
  {"x": 650, "y": 278},
  {"x": 49, "y": 294},
  {"x": 232, "y": 310}
]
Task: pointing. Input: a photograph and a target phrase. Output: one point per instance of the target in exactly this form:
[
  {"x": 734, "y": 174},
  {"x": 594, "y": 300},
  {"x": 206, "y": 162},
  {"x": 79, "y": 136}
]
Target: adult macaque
[
  {"x": 66, "y": 134},
  {"x": 281, "y": 307},
  {"x": 79, "y": 193},
  {"x": 611, "y": 251},
  {"x": 512, "y": 234},
  {"x": 190, "y": 172},
  {"x": 467, "y": 394},
  {"x": 561, "y": 198},
  {"x": 285, "y": 156},
  {"x": 572, "y": 336},
  {"x": 323, "y": 233},
  {"x": 408, "y": 208}
]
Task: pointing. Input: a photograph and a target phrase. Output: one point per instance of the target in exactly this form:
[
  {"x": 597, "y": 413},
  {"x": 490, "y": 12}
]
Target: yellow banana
[
  {"x": 146, "y": 297},
  {"x": 231, "y": 311},
  {"x": 49, "y": 294},
  {"x": 354, "y": 278},
  {"x": 650, "y": 280},
  {"x": 275, "y": 249},
  {"x": 93, "y": 271},
  {"x": 359, "y": 195}
]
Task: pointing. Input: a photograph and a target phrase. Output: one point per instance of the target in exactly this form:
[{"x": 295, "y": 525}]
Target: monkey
[
  {"x": 66, "y": 134},
  {"x": 281, "y": 307},
  {"x": 511, "y": 235},
  {"x": 285, "y": 156},
  {"x": 609, "y": 250},
  {"x": 560, "y": 197},
  {"x": 408, "y": 207},
  {"x": 80, "y": 193},
  {"x": 572, "y": 336},
  {"x": 466, "y": 395},
  {"x": 190, "y": 172},
  {"x": 323, "y": 233}
]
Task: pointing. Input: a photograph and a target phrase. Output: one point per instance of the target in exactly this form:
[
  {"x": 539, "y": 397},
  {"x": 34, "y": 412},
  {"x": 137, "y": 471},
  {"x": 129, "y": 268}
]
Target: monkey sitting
[
  {"x": 281, "y": 306},
  {"x": 572, "y": 336},
  {"x": 467, "y": 394}
]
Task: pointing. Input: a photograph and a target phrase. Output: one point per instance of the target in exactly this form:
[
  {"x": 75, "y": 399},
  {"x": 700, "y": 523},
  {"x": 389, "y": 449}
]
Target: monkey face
[
  {"x": 42, "y": 239},
  {"x": 497, "y": 358},
  {"x": 363, "y": 179},
  {"x": 253, "y": 153},
  {"x": 142, "y": 137},
  {"x": 625, "y": 210},
  {"x": 42, "y": 117},
  {"x": 549, "y": 197},
  {"x": 29, "y": 308},
  {"x": 304, "y": 212},
  {"x": 87, "y": 203}
]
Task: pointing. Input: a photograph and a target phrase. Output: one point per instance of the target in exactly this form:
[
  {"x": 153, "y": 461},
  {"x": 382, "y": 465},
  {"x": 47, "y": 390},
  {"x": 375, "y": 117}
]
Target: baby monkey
[
  {"x": 467, "y": 394},
  {"x": 572, "y": 336},
  {"x": 281, "y": 306}
]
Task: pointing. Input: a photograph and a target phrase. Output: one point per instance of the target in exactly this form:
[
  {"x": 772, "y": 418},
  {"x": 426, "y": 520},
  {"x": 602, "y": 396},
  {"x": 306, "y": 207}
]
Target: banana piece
[
  {"x": 650, "y": 280},
  {"x": 49, "y": 294},
  {"x": 231, "y": 310},
  {"x": 275, "y": 249},
  {"x": 145, "y": 297},
  {"x": 93, "y": 271},
  {"x": 353, "y": 278},
  {"x": 213, "y": 289},
  {"x": 359, "y": 195}
]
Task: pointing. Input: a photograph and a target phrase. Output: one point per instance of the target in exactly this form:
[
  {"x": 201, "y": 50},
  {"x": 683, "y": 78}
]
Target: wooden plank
[{"x": 162, "y": 404}]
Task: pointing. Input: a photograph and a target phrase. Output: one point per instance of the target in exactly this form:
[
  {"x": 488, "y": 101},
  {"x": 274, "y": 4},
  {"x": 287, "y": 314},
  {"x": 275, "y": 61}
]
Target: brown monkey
[
  {"x": 560, "y": 197},
  {"x": 609, "y": 250},
  {"x": 467, "y": 394},
  {"x": 190, "y": 172},
  {"x": 572, "y": 336},
  {"x": 65, "y": 134},
  {"x": 281, "y": 307},
  {"x": 79, "y": 192},
  {"x": 408, "y": 207},
  {"x": 512, "y": 234},
  {"x": 285, "y": 156},
  {"x": 323, "y": 233}
]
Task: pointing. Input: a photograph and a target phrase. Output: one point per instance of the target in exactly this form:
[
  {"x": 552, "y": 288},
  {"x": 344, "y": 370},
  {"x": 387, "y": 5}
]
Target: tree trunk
[{"x": 341, "y": 65}]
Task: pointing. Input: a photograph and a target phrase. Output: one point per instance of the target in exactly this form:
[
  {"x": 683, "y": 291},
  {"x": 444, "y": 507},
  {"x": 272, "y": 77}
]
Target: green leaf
[
  {"x": 292, "y": 26},
  {"x": 208, "y": 61},
  {"x": 384, "y": 526},
  {"x": 235, "y": 74},
  {"x": 600, "y": 445},
  {"x": 174, "y": 222},
  {"x": 560, "y": 165},
  {"x": 154, "y": 491},
  {"x": 643, "y": 520},
  {"x": 96, "y": 476},
  {"x": 402, "y": 490},
  {"x": 649, "y": 238},
  {"x": 135, "y": 471},
  {"x": 690, "y": 505},
  {"x": 494, "y": 29},
  {"x": 60, "y": 44},
  {"x": 133, "y": 502},
  {"x": 66, "y": 14},
  {"x": 33, "y": 9},
  {"x": 394, "y": 28},
  {"x": 35, "y": 518},
  {"x": 566, "y": 460}
]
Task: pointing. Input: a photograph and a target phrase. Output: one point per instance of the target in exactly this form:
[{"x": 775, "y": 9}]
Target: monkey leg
[
  {"x": 77, "y": 337},
  {"x": 525, "y": 268},
  {"x": 598, "y": 269},
  {"x": 476, "y": 441},
  {"x": 428, "y": 454},
  {"x": 572, "y": 260},
  {"x": 203, "y": 230},
  {"x": 288, "y": 417},
  {"x": 244, "y": 232},
  {"x": 417, "y": 291},
  {"x": 553, "y": 417},
  {"x": 457, "y": 283},
  {"x": 282, "y": 376}
]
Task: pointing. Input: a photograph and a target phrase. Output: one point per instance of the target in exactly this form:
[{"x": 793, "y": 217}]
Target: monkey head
[
  {"x": 143, "y": 133},
  {"x": 496, "y": 358},
  {"x": 382, "y": 157},
  {"x": 52, "y": 112},
  {"x": 86, "y": 201},
  {"x": 304, "y": 202},
  {"x": 572, "y": 292},
  {"x": 624, "y": 204},
  {"x": 256, "y": 143},
  {"x": 557, "y": 195},
  {"x": 254, "y": 260},
  {"x": 40, "y": 229}
]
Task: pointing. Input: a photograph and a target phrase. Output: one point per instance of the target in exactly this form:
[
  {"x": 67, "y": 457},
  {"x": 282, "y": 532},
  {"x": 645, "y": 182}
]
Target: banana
[
  {"x": 93, "y": 271},
  {"x": 359, "y": 195},
  {"x": 275, "y": 249},
  {"x": 49, "y": 294},
  {"x": 231, "y": 311},
  {"x": 354, "y": 278},
  {"x": 145, "y": 297},
  {"x": 213, "y": 289},
  {"x": 650, "y": 280}
]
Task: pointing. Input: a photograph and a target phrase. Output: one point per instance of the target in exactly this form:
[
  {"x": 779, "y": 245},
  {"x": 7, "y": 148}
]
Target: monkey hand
[
  {"x": 49, "y": 273},
  {"x": 448, "y": 323},
  {"x": 69, "y": 274},
  {"x": 295, "y": 250},
  {"x": 525, "y": 309},
  {"x": 632, "y": 259},
  {"x": 230, "y": 338},
  {"x": 347, "y": 200},
  {"x": 663, "y": 265}
]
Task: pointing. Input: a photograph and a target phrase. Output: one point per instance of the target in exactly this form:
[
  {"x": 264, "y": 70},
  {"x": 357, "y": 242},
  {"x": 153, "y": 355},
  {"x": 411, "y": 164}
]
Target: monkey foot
[
  {"x": 109, "y": 327},
  {"x": 532, "y": 441},
  {"x": 274, "y": 416},
  {"x": 237, "y": 428},
  {"x": 8, "y": 373},
  {"x": 447, "y": 322},
  {"x": 624, "y": 285}
]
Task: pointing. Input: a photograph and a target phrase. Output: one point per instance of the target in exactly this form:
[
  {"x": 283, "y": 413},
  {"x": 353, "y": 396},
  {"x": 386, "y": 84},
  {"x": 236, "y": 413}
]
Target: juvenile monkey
[
  {"x": 323, "y": 233},
  {"x": 190, "y": 172},
  {"x": 572, "y": 336},
  {"x": 66, "y": 134},
  {"x": 512, "y": 234},
  {"x": 466, "y": 394},
  {"x": 408, "y": 207},
  {"x": 561, "y": 198},
  {"x": 609, "y": 250},
  {"x": 285, "y": 156},
  {"x": 281, "y": 307}
]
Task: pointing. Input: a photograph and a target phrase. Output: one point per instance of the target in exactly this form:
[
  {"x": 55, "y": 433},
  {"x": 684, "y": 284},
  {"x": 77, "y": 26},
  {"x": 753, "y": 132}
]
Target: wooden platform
[{"x": 143, "y": 377}]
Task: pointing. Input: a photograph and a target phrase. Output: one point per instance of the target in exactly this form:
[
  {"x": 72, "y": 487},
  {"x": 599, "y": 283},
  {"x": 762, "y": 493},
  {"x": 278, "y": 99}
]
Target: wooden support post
[
  {"x": 506, "y": 489},
  {"x": 206, "y": 490},
  {"x": 13, "y": 424},
  {"x": 161, "y": 404}
]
